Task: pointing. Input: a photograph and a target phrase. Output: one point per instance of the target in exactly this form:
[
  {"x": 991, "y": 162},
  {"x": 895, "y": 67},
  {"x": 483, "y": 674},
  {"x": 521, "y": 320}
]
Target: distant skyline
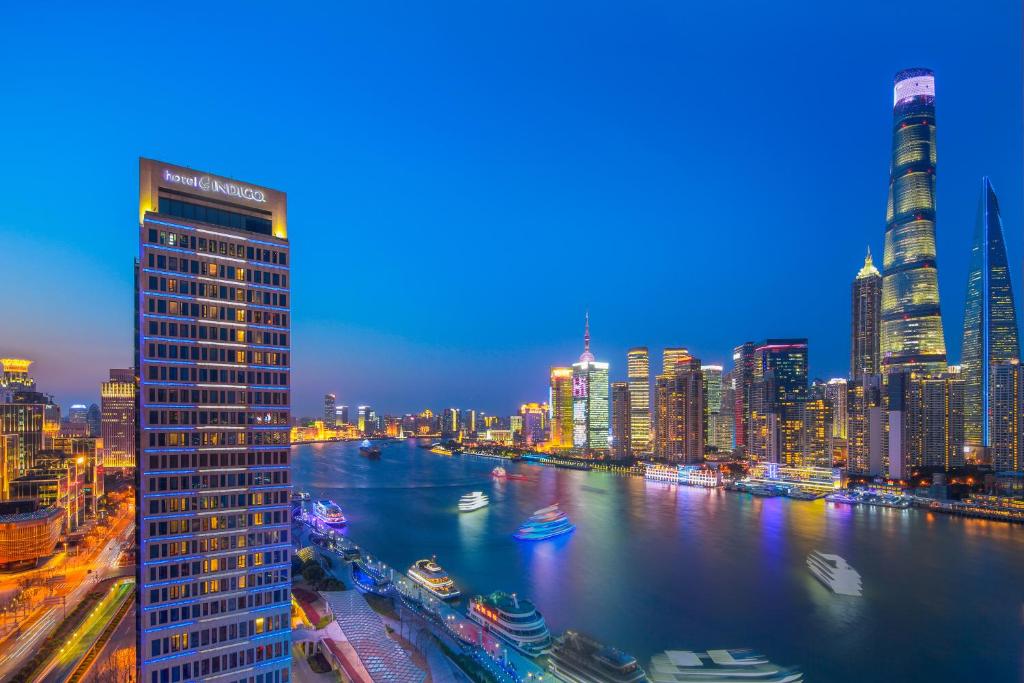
[{"x": 463, "y": 185}]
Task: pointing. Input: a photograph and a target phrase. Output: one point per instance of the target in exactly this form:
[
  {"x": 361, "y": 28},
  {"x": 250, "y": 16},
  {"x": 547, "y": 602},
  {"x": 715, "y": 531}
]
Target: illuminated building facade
[
  {"x": 742, "y": 381},
  {"x": 638, "y": 371},
  {"x": 450, "y": 422},
  {"x": 590, "y": 405},
  {"x": 364, "y": 419},
  {"x": 990, "y": 318},
  {"x": 679, "y": 403},
  {"x": 622, "y": 448},
  {"x": 28, "y": 533},
  {"x": 866, "y": 425},
  {"x": 835, "y": 394},
  {"x": 865, "y": 325},
  {"x": 926, "y": 422},
  {"x": 14, "y": 377},
  {"x": 330, "y": 411},
  {"x": 213, "y": 353},
  {"x": 1005, "y": 402},
  {"x": 912, "y": 336},
  {"x": 778, "y": 400},
  {"x": 561, "y": 403},
  {"x": 535, "y": 423},
  {"x": 26, "y": 421},
  {"x": 117, "y": 420},
  {"x": 712, "y": 404}
]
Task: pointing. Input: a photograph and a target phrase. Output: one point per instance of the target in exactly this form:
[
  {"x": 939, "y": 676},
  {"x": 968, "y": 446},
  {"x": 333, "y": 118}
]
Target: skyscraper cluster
[{"x": 901, "y": 409}]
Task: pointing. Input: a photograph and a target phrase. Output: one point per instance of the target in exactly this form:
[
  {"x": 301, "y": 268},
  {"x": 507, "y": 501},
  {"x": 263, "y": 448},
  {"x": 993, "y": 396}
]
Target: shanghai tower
[
  {"x": 911, "y": 322},
  {"x": 990, "y": 318}
]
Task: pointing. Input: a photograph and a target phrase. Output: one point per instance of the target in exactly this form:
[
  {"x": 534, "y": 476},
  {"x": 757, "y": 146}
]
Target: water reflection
[{"x": 652, "y": 567}]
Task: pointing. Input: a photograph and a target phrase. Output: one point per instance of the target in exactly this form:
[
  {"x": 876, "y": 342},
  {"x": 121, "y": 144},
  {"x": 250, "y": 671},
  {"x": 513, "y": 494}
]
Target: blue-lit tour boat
[
  {"x": 328, "y": 512},
  {"x": 545, "y": 523}
]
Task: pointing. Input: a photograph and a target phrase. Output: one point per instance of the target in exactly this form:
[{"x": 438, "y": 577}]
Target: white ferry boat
[
  {"x": 328, "y": 512},
  {"x": 513, "y": 619},
  {"x": 431, "y": 576},
  {"x": 718, "y": 666},
  {"x": 834, "y": 573},
  {"x": 658, "y": 472},
  {"x": 473, "y": 501}
]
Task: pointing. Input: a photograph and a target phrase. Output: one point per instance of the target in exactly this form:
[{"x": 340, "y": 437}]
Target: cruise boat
[
  {"x": 438, "y": 449},
  {"x": 328, "y": 512},
  {"x": 718, "y": 666},
  {"x": 431, "y": 576},
  {"x": 577, "y": 658},
  {"x": 545, "y": 523},
  {"x": 473, "y": 501},
  {"x": 499, "y": 472},
  {"x": 834, "y": 573},
  {"x": 515, "y": 620},
  {"x": 368, "y": 450}
]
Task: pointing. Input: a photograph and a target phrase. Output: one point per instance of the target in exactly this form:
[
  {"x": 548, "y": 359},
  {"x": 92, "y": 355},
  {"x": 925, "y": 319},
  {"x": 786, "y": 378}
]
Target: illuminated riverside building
[
  {"x": 912, "y": 336},
  {"x": 535, "y": 423},
  {"x": 679, "y": 404},
  {"x": 561, "y": 403},
  {"x": 712, "y": 375},
  {"x": 639, "y": 373},
  {"x": 622, "y": 448},
  {"x": 26, "y": 421},
  {"x": 213, "y": 353},
  {"x": 330, "y": 410},
  {"x": 835, "y": 393},
  {"x": 450, "y": 422},
  {"x": 990, "y": 318},
  {"x": 117, "y": 420},
  {"x": 865, "y": 325},
  {"x": 590, "y": 409},
  {"x": 341, "y": 415},
  {"x": 926, "y": 422},
  {"x": 742, "y": 380},
  {"x": 1005, "y": 402},
  {"x": 866, "y": 426},
  {"x": 365, "y": 419},
  {"x": 778, "y": 398}
]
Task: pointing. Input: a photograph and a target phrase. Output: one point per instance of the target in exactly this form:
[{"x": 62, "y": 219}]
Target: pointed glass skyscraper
[
  {"x": 990, "y": 317},
  {"x": 911, "y": 322}
]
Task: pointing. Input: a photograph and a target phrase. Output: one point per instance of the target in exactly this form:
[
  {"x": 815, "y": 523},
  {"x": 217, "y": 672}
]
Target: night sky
[{"x": 465, "y": 179}]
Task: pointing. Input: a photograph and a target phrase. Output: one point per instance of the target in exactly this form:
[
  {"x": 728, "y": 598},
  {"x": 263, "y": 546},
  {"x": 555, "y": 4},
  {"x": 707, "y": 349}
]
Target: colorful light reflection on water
[{"x": 652, "y": 567}]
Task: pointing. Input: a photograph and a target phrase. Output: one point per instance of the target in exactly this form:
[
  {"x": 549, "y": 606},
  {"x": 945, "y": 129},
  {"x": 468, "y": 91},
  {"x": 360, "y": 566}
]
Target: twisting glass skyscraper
[
  {"x": 911, "y": 321},
  {"x": 990, "y": 318}
]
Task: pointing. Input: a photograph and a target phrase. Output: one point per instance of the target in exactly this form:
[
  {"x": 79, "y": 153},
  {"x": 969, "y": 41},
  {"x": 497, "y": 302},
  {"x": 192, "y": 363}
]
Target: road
[
  {"x": 85, "y": 636},
  {"x": 81, "y": 575}
]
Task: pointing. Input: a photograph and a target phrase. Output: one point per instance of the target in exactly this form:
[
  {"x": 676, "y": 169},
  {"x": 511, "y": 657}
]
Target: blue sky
[{"x": 465, "y": 179}]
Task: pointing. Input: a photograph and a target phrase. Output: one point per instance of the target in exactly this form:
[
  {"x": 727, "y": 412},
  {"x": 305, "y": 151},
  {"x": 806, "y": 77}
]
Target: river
[{"x": 653, "y": 567}]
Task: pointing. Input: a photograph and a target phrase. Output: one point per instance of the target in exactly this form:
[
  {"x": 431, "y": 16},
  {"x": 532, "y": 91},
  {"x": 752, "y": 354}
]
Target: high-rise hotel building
[
  {"x": 866, "y": 309},
  {"x": 213, "y": 351},
  {"x": 639, "y": 372},
  {"x": 912, "y": 336}
]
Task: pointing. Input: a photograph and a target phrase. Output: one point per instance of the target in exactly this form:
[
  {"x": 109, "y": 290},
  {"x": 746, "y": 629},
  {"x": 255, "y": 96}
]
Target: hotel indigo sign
[{"x": 208, "y": 184}]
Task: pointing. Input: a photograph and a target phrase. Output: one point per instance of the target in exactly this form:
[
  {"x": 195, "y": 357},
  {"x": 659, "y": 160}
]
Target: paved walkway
[{"x": 363, "y": 630}]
